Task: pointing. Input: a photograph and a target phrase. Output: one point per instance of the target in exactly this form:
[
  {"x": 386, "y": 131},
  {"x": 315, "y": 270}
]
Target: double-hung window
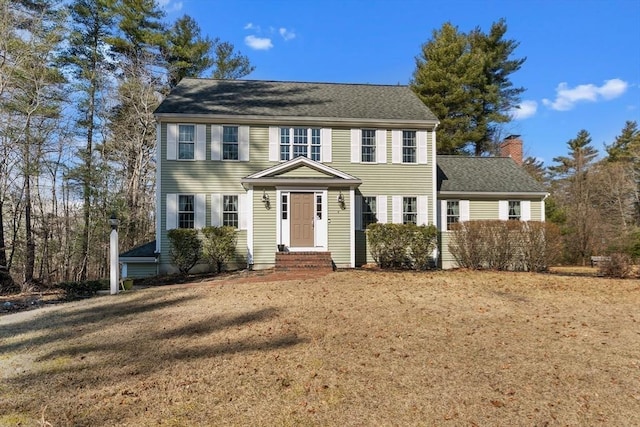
[
  {"x": 186, "y": 211},
  {"x": 409, "y": 210},
  {"x": 409, "y": 146},
  {"x": 300, "y": 142},
  {"x": 514, "y": 210},
  {"x": 368, "y": 146},
  {"x": 230, "y": 211},
  {"x": 230, "y": 143},
  {"x": 186, "y": 142},
  {"x": 453, "y": 213},
  {"x": 368, "y": 211}
]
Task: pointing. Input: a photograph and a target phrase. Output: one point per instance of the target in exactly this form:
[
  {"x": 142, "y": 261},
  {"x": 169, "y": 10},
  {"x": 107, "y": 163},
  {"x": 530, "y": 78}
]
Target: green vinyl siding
[
  {"x": 483, "y": 209},
  {"x": 536, "y": 210},
  {"x": 340, "y": 230},
  {"x": 140, "y": 270},
  {"x": 264, "y": 229}
]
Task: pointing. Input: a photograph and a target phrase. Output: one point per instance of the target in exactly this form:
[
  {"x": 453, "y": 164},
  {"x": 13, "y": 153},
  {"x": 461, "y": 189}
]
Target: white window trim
[
  {"x": 244, "y": 136},
  {"x": 291, "y": 144}
]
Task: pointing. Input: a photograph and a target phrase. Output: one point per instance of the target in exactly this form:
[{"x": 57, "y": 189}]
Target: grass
[{"x": 352, "y": 348}]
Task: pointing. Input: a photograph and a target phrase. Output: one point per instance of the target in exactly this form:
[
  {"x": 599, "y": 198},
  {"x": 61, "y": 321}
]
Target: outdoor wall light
[
  {"x": 341, "y": 201},
  {"x": 114, "y": 222},
  {"x": 265, "y": 200}
]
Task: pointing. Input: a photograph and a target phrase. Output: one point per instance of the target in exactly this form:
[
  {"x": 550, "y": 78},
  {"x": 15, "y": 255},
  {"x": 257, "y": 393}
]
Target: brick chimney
[{"x": 512, "y": 147}]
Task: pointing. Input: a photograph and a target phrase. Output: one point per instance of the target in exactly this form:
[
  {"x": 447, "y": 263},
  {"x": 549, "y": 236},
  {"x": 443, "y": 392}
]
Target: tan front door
[{"x": 302, "y": 218}]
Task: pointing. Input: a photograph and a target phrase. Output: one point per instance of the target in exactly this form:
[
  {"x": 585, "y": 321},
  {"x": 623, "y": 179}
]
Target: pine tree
[{"x": 228, "y": 64}]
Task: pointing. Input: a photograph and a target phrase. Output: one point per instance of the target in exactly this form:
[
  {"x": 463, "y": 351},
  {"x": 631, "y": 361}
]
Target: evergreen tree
[
  {"x": 187, "y": 53},
  {"x": 228, "y": 64},
  {"x": 464, "y": 80}
]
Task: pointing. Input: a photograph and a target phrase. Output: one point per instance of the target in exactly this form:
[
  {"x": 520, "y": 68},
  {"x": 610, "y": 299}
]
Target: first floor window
[
  {"x": 368, "y": 211},
  {"x": 514, "y": 210},
  {"x": 409, "y": 210},
  {"x": 186, "y": 142},
  {"x": 319, "y": 206},
  {"x": 285, "y": 206},
  {"x": 368, "y": 146},
  {"x": 300, "y": 142},
  {"x": 230, "y": 143},
  {"x": 230, "y": 211},
  {"x": 453, "y": 212},
  {"x": 409, "y": 146},
  {"x": 186, "y": 211}
]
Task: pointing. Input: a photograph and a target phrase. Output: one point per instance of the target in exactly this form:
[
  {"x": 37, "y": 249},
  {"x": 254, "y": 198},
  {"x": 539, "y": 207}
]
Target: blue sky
[{"x": 583, "y": 56}]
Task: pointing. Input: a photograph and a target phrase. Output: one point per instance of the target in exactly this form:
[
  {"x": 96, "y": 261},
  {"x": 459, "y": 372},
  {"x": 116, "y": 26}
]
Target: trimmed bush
[
  {"x": 402, "y": 245},
  {"x": 505, "y": 245},
  {"x": 219, "y": 245},
  {"x": 185, "y": 248},
  {"x": 618, "y": 266}
]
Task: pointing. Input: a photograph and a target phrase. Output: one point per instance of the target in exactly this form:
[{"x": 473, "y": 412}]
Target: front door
[{"x": 302, "y": 220}]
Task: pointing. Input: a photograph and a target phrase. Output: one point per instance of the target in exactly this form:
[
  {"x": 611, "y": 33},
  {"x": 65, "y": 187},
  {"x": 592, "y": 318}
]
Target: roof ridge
[{"x": 294, "y": 81}]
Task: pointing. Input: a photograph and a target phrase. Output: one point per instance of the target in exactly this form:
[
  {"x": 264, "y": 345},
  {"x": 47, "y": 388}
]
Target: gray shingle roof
[
  {"x": 146, "y": 250},
  {"x": 294, "y": 99},
  {"x": 484, "y": 174}
]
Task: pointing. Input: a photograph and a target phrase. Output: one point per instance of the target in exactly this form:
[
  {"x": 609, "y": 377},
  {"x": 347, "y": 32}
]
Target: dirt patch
[{"x": 349, "y": 348}]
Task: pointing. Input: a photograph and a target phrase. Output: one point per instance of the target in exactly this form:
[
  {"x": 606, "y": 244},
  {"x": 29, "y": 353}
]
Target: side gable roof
[
  {"x": 482, "y": 175},
  {"x": 237, "y": 98}
]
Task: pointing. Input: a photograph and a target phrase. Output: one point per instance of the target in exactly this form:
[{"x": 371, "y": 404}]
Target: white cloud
[
  {"x": 258, "y": 43},
  {"x": 567, "y": 98},
  {"x": 170, "y": 6},
  {"x": 250, "y": 26},
  {"x": 525, "y": 110},
  {"x": 287, "y": 34}
]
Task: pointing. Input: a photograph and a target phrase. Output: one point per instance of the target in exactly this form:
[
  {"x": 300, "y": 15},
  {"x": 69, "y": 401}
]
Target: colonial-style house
[{"x": 301, "y": 169}]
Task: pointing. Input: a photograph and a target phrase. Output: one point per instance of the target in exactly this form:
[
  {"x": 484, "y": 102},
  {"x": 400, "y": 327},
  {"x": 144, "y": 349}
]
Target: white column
[{"x": 113, "y": 252}]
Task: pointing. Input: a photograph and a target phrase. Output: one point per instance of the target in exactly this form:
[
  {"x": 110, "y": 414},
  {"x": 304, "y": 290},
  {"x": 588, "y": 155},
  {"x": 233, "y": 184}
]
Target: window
[
  {"x": 300, "y": 142},
  {"x": 186, "y": 212},
  {"x": 409, "y": 146},
  {"x": 409, "y": 210},
  {"x": 368, "y": 145},
  {"x": 453, "y": 212},
  {"x": 186, "y": 142},
  {"x": 230, "y": 143},
  {"x": 368, "y": 211},
  {"x": 514, "y": 210},
  {"x": 230, "y": 211},
  {"x": 319, "y": 206},
  {"x": 285, "y": 206}
]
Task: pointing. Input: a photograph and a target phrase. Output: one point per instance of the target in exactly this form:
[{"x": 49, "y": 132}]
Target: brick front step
[{"x": 292, "y": 261}]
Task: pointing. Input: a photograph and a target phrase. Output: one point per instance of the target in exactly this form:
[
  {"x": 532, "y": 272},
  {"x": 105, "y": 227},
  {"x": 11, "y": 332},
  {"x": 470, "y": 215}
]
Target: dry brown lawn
[{"x": 352, "y": 348}]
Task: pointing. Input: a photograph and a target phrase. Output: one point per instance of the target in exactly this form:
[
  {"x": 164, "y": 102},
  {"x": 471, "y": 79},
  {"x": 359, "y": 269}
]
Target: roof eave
[
  {"x": 523, "y": 194},
  {"x": 270, "y": 120}
]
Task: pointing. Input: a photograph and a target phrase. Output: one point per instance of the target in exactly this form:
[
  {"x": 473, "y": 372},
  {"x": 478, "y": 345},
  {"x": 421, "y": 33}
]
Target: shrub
[
  {"x": 219, "y": 245},
  {"x": 76, "y": 290},
  {"x": 402, "y": 245},
  {"x": 618, "y": 266},
  {"x": 185, "y": 248},
  {"x": 505, "y": 245}
]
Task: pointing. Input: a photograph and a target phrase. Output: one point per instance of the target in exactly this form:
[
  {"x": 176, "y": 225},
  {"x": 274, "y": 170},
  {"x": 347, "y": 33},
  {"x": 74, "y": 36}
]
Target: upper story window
[
  {"x": 369, "y": 211},
  {"x": 453, "y": 213},
  {"x": 514, "y": 210},
  {"x": 230, "y": 143},
  {"x": 368, "y": 145},
  {"x": 230, "y": 211},
  {"x": 409, "y": 210},
  {"x": 186, "y": 142},
  {"x": 186, "y": 211},
  {"x": 409, "y": 146},
  {"x": 300, "y": 142}
]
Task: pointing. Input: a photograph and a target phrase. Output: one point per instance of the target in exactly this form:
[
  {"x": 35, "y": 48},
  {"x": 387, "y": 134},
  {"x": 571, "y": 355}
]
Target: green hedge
[{"x": 402, "y": 245}]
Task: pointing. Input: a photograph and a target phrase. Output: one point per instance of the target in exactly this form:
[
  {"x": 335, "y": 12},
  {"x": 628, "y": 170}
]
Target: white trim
[
  {"x": 300, "y": 161},
  {"x": 503, "y": 210},
  {"x": 352, "y": 234},
  {"x": 321, "y": 227},
  {"x": 396, "y": 209},
  {"x": 172, "y": 141},
  {"x": 510, "y": 196},
  {"x": 200, "y": 214},
  {"x": 216, "y": 210},
  {"x": 243, "y": 143},
  {"x": 396, "y": 146},
  {"x": 421, "y": 147},
  {"x": 356, "y": 142},
  {"x": 381, "y": 209},
  {"x": 443, "y": 216},
  {"x": 434, "y": 176},
  {"x": 158, "y": 185},
  {"x": 327, "y": 144},
  {"x": 274, "y": 144},
  {"x": 200, "y": 143},
  {"x": 381, "y": 145},
  {"x": 525, "y": 210},
  {"x": 250, "y": 226},
  {"x": 242, "y": 211},
  {"x": 543, "y": 213},
  {"x": 464, "y": 210},
  {"x": 216, "y": 142}
]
